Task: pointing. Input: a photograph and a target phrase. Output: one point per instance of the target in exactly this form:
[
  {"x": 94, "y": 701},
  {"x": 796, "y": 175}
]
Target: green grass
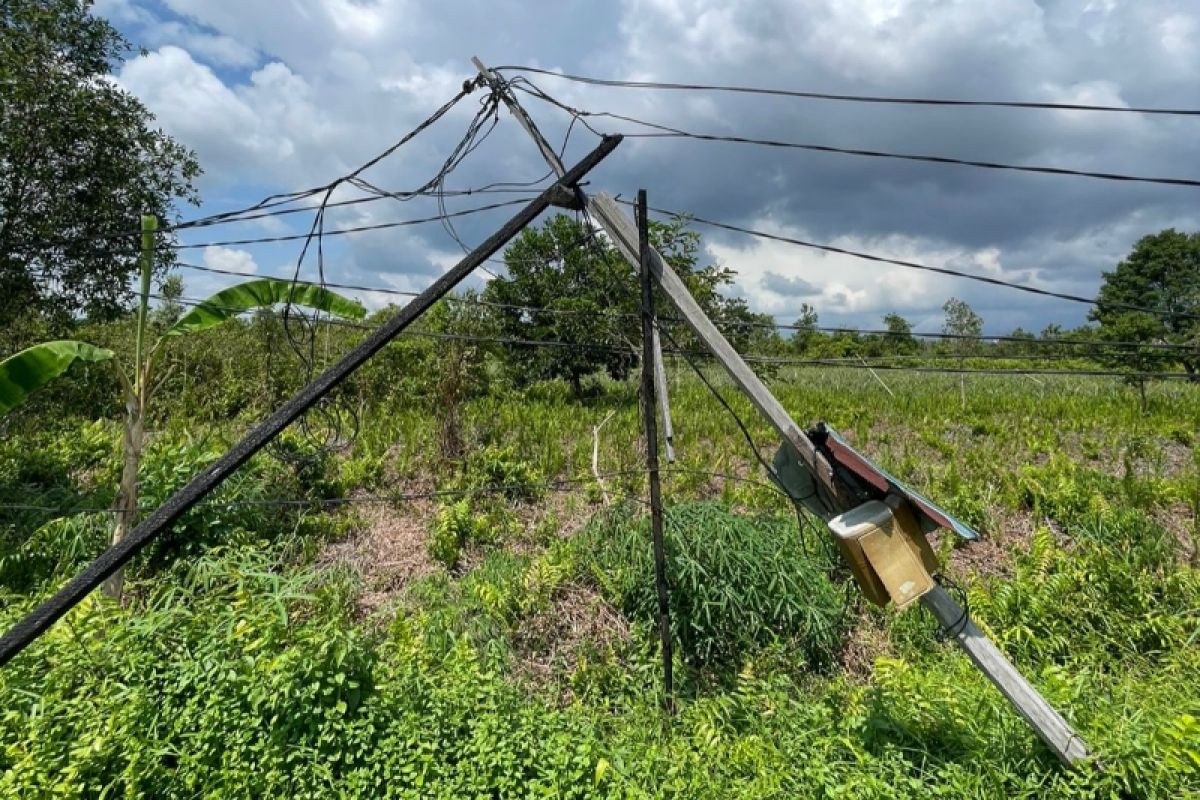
[{"x": 243, "y": 665}]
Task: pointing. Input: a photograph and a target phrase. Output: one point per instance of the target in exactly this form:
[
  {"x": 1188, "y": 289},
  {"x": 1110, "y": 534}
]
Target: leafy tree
[
  {"x": 1024, "y": 343},
  {"x": 79, "y": 161},
  {"x": 589, "y": 301},
  {"x": 806, "y": 333},
  {"x": 170, "y": 309},
  {"x": 34, "y": 367},
  {"x": 457, "y": 369},
  {"x": 899, "y": 338},
  {"x": 1162, "y": 273},
  {"x": 962, "y": 321}
]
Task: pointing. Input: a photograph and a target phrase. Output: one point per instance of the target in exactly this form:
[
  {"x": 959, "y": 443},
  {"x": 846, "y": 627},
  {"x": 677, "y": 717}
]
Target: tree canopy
[
  {"x": 591, "y": 301},
  {"x": 1161, "y": 273},
  {"x": 964, "y": 324},
  {"x": 79, "y": 163},
  {"x": 899, "y": 337}
]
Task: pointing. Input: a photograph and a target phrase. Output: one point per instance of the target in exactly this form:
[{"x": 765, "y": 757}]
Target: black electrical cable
[
  {"x": 748, "y": 357},
  {"x": 853, "y": 98},
  {"x": 923, "y": 267},
  {"x": 1096, "y": 344},
  {"x": 661, "y": 131},
  {"x": 356, "y": 229}
]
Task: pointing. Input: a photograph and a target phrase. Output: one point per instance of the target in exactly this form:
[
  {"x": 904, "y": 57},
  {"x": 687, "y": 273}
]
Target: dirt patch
[
  {"x": 991, "y": 554},
  {"x": 1180, "y": 522},
  {"x": 559, "y": 515},
  {"x": 549, "y": 644},
  {"x": 389, "y": 551},
  {"x": 1177, "y": 459},
  {"x": 868, "y": 640}
]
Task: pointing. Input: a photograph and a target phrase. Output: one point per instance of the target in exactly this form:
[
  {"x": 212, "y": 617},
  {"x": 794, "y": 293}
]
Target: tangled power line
[{"x": 299, "y": 327}]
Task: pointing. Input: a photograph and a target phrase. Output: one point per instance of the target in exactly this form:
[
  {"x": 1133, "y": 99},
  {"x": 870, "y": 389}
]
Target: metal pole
[
  {"x": 656, "y": 511},
  {"x": 179, "y": 503}
]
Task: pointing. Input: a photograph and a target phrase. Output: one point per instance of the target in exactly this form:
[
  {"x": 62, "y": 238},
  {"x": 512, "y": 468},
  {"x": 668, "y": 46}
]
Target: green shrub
[
  {"x": 454, "y": 525},
  {"x": 736, "y": 582},
  {"x": 500, "y": 469},
  {"x": 54, "y": 551}
]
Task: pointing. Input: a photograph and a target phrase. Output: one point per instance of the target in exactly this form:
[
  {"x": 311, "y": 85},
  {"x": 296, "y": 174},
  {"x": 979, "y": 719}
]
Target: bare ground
[
  {"x": 1180, "y": 521},
  {"x": 992, "y": 554},
  {"x": 867, "y": 640},
  {"x": 389, "y": 551},
  {"x": 549, "y": 644}
]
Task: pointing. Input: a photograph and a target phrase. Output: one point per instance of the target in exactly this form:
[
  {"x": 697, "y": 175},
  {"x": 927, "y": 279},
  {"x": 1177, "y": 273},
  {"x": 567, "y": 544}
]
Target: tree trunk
[{"x": 126, "y": 506}]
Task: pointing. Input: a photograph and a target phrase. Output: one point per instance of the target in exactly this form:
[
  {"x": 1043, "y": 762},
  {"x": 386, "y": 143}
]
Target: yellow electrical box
[{"x": 886, "y": 550}]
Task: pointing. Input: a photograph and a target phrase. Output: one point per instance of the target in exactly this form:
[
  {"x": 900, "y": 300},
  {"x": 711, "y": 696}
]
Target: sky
[{"x": 281, "y": 95}]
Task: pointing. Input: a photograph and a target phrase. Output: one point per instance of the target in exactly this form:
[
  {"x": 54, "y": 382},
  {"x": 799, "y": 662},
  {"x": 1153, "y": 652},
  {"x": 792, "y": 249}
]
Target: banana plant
[{"x": 30, "y": 369}]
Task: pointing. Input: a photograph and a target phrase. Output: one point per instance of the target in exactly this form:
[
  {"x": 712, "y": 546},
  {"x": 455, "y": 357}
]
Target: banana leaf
[
  {"x": 31, "y": 369},
  {"x": 263, "y": 293}
]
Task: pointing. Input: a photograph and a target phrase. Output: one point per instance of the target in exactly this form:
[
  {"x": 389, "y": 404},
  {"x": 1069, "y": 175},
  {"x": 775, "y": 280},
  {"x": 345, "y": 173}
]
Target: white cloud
[
  {"x": 776, "y": 277},
  {"x": 214, "y": 48},
  {"x": 339, "y": 80},
  {"x": 256, "y": 130},
  {"x": 229, "y": 259}
]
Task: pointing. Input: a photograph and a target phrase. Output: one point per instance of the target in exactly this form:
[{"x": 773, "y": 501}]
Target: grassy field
[{"x": 309, "y": 634}]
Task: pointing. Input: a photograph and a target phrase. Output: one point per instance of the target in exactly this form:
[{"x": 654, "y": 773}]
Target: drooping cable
[{"x": 853, "y": 98}]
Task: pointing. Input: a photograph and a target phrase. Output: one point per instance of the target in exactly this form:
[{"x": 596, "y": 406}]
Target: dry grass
[
  {"x": 549, "y": 644},
  {"x": 1179, "y": 520},
  {"x": 1010, "y": 532},
  {"x": 389, "y": 551},
  {"x": 867, "y": 640}
]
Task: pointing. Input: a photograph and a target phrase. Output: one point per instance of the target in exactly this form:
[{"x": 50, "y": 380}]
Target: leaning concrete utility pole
[{"x": 833, "y": 488}]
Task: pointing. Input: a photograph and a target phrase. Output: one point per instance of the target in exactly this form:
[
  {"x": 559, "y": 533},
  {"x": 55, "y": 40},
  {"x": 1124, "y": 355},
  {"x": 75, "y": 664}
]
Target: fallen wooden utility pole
[
  {"x": 624, "y": 236},
  {"x": 178, "y": 504},
  {"x": 838, "y": 495}
]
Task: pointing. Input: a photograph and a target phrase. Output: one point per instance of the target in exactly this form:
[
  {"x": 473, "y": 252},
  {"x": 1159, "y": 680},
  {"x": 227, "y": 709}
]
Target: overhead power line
[
  {"x": 661, "y": 131},
  {"x": 1094, "y": 373},
  {"x": 290, "y": 197},
  {"x": 193, "y": 302},
  {"x": 1097, "y": 344},
  {"x": 1024, "y": 340},
  {"x": 753, "y": 358},
  {"x": 852, "y": 98},
  {"x": 559, "y": 485},
  {"x": 357, "y": 229},
  {"x": 1020, "y": 287},
  {"x": 249, "y": 217},
  {"x": 562, "y": 484}
]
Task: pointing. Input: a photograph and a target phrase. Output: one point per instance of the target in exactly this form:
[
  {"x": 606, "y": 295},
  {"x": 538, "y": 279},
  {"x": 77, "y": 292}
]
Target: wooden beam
[
  {"x": 1029, "y": 703},
  {"x": 1032, "y": 707}
]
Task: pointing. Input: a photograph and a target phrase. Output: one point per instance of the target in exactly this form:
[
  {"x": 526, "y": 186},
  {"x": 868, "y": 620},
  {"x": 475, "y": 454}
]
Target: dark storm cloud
[
  {"x": 788, "y": 286},
  {"x": 360, "y": 74}
]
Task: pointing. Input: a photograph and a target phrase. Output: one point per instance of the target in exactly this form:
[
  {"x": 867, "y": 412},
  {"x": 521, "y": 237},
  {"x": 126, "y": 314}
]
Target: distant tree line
[{"x": 80, "y": 160}]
